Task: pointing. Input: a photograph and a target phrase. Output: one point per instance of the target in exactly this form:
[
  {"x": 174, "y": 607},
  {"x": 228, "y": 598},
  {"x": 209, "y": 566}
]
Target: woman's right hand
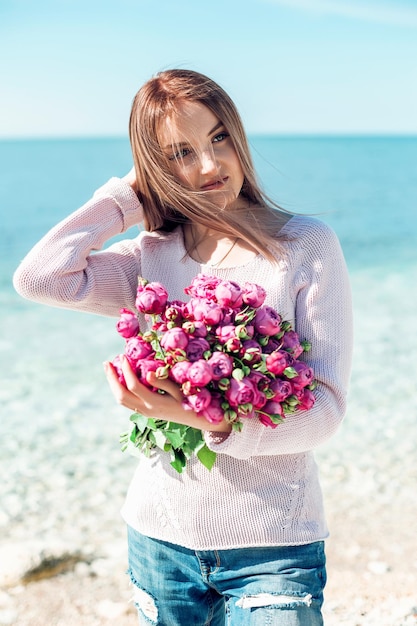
[{"x": 130, "y": 179}]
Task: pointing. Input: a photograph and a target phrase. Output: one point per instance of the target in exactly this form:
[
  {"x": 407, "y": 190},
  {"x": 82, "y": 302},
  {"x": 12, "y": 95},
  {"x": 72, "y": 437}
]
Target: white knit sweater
[{"x": 264, "y": 487}]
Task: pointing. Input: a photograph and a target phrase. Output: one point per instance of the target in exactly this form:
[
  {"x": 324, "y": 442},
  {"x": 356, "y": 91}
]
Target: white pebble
[
  {"x": 110, "y": 610},
  {"x": 378, "y": 567}
]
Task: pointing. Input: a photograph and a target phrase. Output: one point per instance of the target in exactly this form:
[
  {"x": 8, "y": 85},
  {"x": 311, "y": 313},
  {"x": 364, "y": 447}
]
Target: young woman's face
[{"x": 201, "y": 154}]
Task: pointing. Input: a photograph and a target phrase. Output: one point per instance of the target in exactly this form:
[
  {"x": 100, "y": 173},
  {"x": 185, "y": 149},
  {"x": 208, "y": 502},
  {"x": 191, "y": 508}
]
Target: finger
[
  {"x": 123, "y": 396},
  {"x": 165, "y": 384},
  {"x": 139, "y": 393},
  {"x": 132, "y": 381}
]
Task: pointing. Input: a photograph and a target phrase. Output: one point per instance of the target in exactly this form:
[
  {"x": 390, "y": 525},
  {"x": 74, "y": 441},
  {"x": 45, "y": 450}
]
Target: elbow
[
  {"x": 24, "y": 283},
  {"x": 334, "y": 410},
  {"x": 36, "y": 286}
]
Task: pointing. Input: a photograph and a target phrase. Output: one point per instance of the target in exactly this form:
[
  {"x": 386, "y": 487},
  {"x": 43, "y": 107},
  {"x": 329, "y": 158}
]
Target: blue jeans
[{"x": 266, "y": 586}]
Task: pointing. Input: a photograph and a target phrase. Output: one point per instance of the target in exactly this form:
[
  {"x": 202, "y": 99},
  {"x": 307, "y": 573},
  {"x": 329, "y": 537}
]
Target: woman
[{"x": 244, "y": 543}]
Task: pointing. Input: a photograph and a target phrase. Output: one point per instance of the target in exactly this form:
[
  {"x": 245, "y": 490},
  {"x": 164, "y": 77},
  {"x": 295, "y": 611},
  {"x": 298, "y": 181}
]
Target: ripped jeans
[{"x": 266, "y": 586}]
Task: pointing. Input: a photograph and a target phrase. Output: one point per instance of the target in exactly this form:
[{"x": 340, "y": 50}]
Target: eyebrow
[{"x": 186, "y": 143}]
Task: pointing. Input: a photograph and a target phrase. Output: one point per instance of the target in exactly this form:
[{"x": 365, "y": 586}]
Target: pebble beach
[{"x": 64, "y": 477}]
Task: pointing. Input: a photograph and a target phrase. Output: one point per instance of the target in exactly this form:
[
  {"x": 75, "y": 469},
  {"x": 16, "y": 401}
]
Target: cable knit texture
[{"x": 264, "y": 487}]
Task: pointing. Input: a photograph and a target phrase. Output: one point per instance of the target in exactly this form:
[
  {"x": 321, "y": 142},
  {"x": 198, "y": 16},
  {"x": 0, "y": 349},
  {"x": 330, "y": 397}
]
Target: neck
[{"x": 214, "y": 248}]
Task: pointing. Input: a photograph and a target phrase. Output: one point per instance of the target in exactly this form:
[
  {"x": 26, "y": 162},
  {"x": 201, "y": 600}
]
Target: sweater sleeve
[
  {"x": 65, "y": 269},
  {"x": 323, "y": 311}
]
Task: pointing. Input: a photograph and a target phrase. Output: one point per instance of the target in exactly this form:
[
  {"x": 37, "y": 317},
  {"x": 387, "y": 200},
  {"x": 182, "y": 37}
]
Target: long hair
[{"x": 166, "y": 202}]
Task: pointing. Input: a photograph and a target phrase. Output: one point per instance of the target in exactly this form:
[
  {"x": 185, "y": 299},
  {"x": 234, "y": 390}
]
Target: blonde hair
[{"x": 166, "y": 202}]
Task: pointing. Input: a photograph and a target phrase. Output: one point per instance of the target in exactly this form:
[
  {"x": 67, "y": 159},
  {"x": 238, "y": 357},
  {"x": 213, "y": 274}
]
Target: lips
[{"x": 214, "y": 184}]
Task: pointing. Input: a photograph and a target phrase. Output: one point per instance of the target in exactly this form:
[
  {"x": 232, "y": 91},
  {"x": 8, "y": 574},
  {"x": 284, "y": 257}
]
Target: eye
[
  {"x": 220, "y": 137},
  {"x": 180, "y": 154}
]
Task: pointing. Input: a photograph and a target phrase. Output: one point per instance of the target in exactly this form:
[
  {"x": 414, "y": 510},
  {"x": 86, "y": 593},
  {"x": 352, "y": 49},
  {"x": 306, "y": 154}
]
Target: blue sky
[{"x": 72, "y": 67}]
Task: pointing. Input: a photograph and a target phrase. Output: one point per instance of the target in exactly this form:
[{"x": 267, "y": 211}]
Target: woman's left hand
[{"x": 141, "y": 399}]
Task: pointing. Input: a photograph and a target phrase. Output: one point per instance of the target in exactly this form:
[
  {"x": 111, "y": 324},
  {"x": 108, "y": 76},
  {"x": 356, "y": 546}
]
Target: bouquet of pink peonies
[{"x": 233, "y": 357}]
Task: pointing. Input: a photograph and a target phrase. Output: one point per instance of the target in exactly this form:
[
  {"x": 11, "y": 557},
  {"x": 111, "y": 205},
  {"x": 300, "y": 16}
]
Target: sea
[{"x": 59, "y": 424}]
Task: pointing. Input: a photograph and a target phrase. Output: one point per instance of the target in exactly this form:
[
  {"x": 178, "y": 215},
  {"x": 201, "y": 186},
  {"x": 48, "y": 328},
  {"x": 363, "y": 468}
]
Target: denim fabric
[{"x": 261, "y": 586}]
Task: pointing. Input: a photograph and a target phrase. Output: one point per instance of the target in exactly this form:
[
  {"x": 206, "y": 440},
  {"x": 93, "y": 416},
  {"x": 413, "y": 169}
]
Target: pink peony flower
[
  {"x": 118, "y": 367},
  {"x": 252, "y": 351},
  {"x": 174, "y": 338},
  {"x": 221, "y": 365},
  {"x": 291, "y": 342},
  {"x": 277, "y": 361},
  {"x": 229, "y": 294},
  {"x": 307, "y": 400},
  {"x": 203, "y": 311},
  {"x": 267, "y": 321},
  {"x": 203, "y": 286},
  {"x": 253, "y": 295},
  {"x": 128, "y": 324},
  {"x": 214, "y": 412},
  {"x": 196, "y": 348},
  {"x": 198, "y": 401},
  {"x": 259, "y": 399},
  {"x": 240, "y": 392},
  {"x": 281, "y": 389},
  {"x": 179, "y": 372},
  {"x": 151, "y": 298},
  {"x": 145, "y": 366},
  {"x": 270, "y": 408},
  {"x": 259, "y": 380},
  {"x": 200, "y": 373},
  {"x": 224, "y": 333},
  {"x": 137, "y": 349},
  {"x": 273, "y": 344},
  {"x": 305, "y": 375},
  {"x": 266, "y": 420}
]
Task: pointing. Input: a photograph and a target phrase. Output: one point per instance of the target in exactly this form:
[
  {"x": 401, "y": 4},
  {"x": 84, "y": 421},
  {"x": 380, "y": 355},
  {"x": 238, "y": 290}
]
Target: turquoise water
[{"x": 366, "y": 188}]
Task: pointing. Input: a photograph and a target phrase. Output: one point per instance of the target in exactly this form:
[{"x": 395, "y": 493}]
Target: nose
[{"x": 208, "y": 162}]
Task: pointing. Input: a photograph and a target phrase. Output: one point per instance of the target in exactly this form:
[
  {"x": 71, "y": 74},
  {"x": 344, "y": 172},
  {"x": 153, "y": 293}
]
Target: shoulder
[
  {"x": 159, "y": 240},
  {"x": 306, "y": 226},
  {"x": 159, "y": 237},
  {"x": 309, "y": 241},
  {"x": 304, "y": 230}
]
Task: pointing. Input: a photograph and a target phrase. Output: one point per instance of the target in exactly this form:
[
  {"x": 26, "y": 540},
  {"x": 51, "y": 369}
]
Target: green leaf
[
  {"x": 140, "y": 420},
  {"x": 160, "y": 439},
  {"x": 175, "y": 435},
  {"x": 134, "y": 434},
  {"x": 276, "y": 418},
  {"x": 178, "y": 461},
  {"x": 193, "y": 439},
  {"x": 207, "y": 457},
  {"x": 292, "y": 401},
  {"x": 261, "y": 366},
  {"x": 238, "y": 374},
  {"x": 290, "y": 372}
]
